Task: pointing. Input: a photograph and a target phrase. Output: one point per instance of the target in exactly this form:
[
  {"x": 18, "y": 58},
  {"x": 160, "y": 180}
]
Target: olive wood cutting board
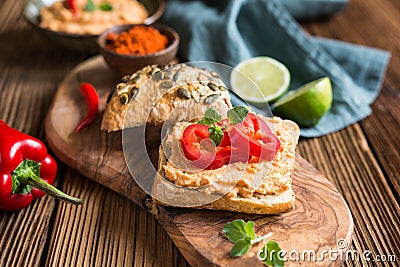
[{"x": 319, "y": 220}]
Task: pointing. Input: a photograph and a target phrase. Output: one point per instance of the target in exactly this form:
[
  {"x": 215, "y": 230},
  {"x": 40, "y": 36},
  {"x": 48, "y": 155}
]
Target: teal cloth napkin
[
  {"x": 312, "y": 9},
  {"x": 246, "y": 28}
]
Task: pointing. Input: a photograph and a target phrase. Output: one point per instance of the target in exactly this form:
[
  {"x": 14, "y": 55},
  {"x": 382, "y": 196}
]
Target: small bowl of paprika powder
[{"x": 128, "y": 48}]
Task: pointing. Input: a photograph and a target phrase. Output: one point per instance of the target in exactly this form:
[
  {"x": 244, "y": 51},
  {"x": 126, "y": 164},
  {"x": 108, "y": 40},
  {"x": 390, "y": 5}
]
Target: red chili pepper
[
  {"x": 26, "y": 170},
  {"x": 92, "y": 99},
  {"x": 72, "y": 6}
]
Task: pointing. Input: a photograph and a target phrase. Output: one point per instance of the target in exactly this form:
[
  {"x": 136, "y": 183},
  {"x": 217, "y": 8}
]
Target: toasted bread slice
[
  {"x": 273, "y": 195},
  {"x": 153, "y": 93}
]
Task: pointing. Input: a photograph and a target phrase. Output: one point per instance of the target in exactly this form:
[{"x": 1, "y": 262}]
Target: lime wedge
[
  {"x": 260, "y": 80},
  {"x": 307, "y": 104}
]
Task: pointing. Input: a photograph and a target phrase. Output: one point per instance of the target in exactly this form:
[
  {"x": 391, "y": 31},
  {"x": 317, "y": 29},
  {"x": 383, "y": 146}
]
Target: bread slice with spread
[
  {"x": 256, "y": 187},
  {"x": 152, "y": 93}
]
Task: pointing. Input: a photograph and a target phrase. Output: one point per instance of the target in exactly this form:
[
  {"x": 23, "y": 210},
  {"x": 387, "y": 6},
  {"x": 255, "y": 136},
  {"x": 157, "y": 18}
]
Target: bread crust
[{"x": 146, "y": 98}]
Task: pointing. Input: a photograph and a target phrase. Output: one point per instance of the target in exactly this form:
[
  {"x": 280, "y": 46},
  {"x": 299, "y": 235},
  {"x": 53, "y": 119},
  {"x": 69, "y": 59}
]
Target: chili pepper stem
[{"x": 32, "y": 179}]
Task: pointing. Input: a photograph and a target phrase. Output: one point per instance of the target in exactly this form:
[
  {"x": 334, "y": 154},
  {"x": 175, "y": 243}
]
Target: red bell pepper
[
  {"x": 26, "y": 170},
  {"x": 255, "y": 136},
  {"x": 250, "y": 139},
  {"x": 201, "y": 151}
]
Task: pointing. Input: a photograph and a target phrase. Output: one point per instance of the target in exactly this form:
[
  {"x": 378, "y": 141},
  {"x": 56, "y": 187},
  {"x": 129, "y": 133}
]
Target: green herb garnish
[
  {"x": 242, "y": 234},
  {"x": 241, "y": 247},
  {"x": 216, "y": 134},
  {"x": 211, "y": 117},
  {"x": 270, "y": 254},
  {"x": 90, "y": 6},
  {"x": 238, "y": 230},
  {"x": 105, "y": 6},
  {"x": 237, "y": 114}
]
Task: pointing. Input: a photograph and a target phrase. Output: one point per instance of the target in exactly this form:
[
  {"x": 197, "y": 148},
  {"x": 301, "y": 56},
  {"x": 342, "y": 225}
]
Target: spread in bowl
[
  {"x": 91, "y": 17},
  {"x": 128, "y": 48}
]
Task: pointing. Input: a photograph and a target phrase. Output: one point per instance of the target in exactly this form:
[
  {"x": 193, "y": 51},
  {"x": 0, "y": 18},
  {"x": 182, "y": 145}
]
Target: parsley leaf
[
  {"x": 90, "y": 6},
  {"x": 201, "y": 122},
  {"x": 105, "y": 6},
  {"x": 270, "y": 254},
  {"x": 235, "y": 231},
  {"x": 216, "y": 134},
  {"x": 211, "y": 116},
  {"x": 241, "y": 247},
  {"x": 238, "y": 230},
  {"x": 237, "y": 114},
  {"x": 249, "y": 228},
  {"x": 242, "y": 234}
]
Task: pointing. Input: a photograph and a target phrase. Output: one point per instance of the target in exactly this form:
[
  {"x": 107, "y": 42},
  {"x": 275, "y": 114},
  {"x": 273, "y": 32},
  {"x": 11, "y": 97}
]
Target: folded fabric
[
  {"x": 312, "y": 9},
  {"x": 244, "y": 29}
]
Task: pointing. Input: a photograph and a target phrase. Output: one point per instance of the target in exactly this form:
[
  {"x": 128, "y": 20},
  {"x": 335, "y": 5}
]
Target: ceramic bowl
[
  {"x": 79, "y": 42},
  {"x": 127, "y": 64}
]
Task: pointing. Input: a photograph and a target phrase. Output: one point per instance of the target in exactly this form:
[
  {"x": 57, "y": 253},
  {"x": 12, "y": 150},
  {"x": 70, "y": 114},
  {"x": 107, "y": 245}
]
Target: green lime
[
  {"x": 307, "y": 104},
  {"x": 260, "y": 80}
]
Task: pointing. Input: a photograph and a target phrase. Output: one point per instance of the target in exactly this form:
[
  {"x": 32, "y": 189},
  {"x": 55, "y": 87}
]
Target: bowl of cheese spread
[{"x": 76, "y": 24}]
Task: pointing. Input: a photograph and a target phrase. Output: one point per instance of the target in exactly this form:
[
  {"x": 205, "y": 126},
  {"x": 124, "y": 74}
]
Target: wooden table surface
[{"x": 362, "y": 160}]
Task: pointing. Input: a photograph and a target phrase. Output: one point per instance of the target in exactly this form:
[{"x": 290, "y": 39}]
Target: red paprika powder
[{"x": 139, "y": 40}]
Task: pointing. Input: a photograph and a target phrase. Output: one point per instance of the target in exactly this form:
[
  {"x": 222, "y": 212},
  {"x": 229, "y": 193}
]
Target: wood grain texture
[
  {"x": 367, "y": 153},
  {"x": 26, "y": 90},
  {"x": 356, "y": 174},
  {"x": 30, "y": 70},
  {"x": 320, "y": 212},
  {"x": 107, "y": 231}
]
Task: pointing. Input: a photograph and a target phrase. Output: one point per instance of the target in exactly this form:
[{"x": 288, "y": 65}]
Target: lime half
[
  {"x": 260, "y": 80},
  {"x": 307, "y": 104}
]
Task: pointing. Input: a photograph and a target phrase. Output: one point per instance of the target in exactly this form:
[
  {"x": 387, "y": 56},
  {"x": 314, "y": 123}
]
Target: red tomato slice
[{"x": 254, "y": 137}]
